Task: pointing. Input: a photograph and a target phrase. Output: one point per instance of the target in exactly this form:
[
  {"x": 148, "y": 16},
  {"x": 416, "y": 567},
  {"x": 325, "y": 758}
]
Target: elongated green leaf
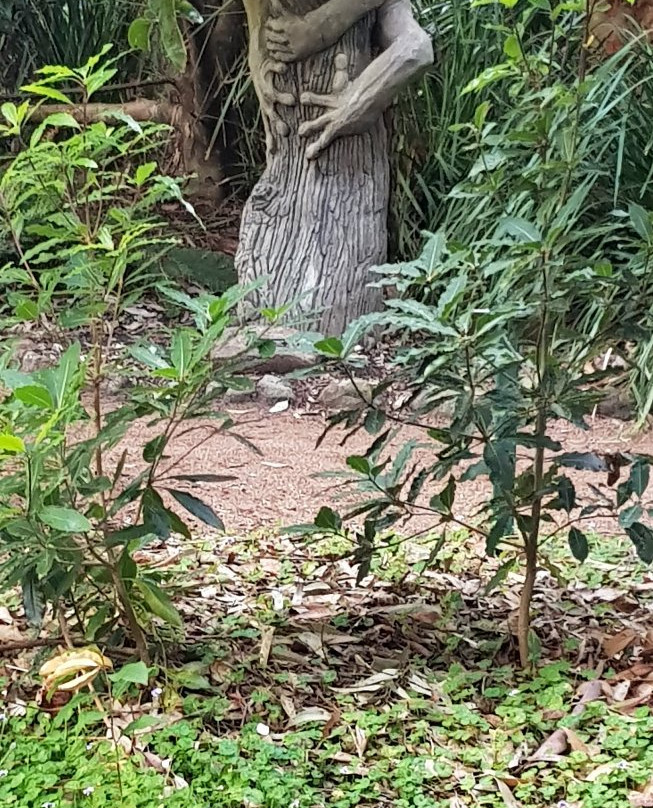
[
  {"x": 46, "y": 92},
  {"x": 181, "y": 352},
  {"x": 65, "y": 520},
  {"x": 359, "y": 464},
  {"x": 521, "y": 229},
  {"x": 197, "y": 508},
  {"x": 499, "y": 458},
  {"x": 158, "y": 602},
  {"x": 642, "y": 537},
  {"x": 61, "y": 120},
  {"x": 172, "y": 40},
  {"x": 205, "y": 478},
  {"x": 630, "y": 515},
  {"x": 583, "y": 461},
  {"x": 155, "y": 513},
  {"x": 640, "y": 473},
  {"x": 32, "y": 600},
  {"x": 640, "y": 219},
  {"x": 11, "y": 443},
  {"x": 34, "y": 395},
  {"x": 578, "y": 544}
]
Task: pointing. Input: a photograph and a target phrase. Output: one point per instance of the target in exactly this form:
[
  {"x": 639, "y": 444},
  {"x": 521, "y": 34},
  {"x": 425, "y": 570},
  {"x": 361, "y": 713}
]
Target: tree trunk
[{"x": 316, "y": 227}]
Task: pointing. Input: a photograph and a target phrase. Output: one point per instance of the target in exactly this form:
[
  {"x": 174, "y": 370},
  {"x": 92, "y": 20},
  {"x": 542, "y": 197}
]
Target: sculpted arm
[
  {"x": 407, "y": 50},
  {"x": 292, "y": 37}
]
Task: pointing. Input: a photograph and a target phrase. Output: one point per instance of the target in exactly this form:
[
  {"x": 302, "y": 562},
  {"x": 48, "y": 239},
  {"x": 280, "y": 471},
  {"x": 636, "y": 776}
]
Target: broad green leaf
[
  {"x": 136, "y": 673},
  {"x": 143, "y": 172},
  {"x": 155, "y": 514},
  {"x": 503, "y": 526},
  {"x": 499, "y": 458},
  {"x": 374, "y": 421},
  {"x": 153, "y": 448},
  {"x": 11, "y": 443},
  {"x": 642, "y": 537},
  {"x": 630, "y": 515},
  {"x": 328, "y": 519},
  {"x": 566, "y": 494},
  {"x": 65, "y": 520},
  {"x": 443, "y": 501},
  {"x": 26, "y": 309},
  {"x": 639, "y": 476},
  {"x": 197, "y": 508},
  {"x": 578, "y": 544},
  {"x": 329, "y": 347},
  {"x": 359, "y": 464},
  {"x": 158, "y": 602},
  {"x": 46, "y": 92},
  {"x": 127, "y": 534},
  {"x": 640, "y": 219},
  {"x": 520, "y": 228},
  {"x": 511, "y": 47},
  {"x": 61, "y": 120},
  {"x": 138, "y": 34},
  {"x": 34, "y": 395}
]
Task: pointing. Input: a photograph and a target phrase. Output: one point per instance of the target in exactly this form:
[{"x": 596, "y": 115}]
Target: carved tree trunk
[{"x": 316, "y": 227}]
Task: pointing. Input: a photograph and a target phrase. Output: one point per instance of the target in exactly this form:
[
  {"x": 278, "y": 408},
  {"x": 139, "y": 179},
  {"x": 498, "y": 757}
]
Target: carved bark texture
[{"x": 316, "y": 227}]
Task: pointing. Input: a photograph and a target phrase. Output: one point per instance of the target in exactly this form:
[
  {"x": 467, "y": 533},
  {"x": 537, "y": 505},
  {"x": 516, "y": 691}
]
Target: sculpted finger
[
  {"x": 277, "y": 38},
  {"x": 323, "y": 142},
  {"x": 315, "y": 126},
  {"x": 318, "y": 100},
  {"x": 275, "y": 24},
  {"x": 282, "y": 55}
]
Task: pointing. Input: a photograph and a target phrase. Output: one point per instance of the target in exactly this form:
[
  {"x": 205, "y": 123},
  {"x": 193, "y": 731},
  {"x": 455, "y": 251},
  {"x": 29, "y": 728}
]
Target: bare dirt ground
[{"x": 282, "y": 486}]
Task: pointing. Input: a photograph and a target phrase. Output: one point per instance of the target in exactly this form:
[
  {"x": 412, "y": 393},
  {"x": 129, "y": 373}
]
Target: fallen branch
[
  {"x": 141, "y": 109},
  {"x": 22, "y": 645}
]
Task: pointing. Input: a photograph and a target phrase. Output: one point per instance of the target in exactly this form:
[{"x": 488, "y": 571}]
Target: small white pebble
[
  {"x": 3, "y": 772},
  {"x": 263, "y": 730},
  {"x": 165, "y": 764},
  {"x": 88, "y": 791},
  {"x": 156, "y": 692},
  {"x": 89, "y": 746}
]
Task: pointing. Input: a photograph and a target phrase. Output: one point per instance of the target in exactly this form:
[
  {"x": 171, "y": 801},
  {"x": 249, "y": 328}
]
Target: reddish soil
[{"x": 280, "y": 488}]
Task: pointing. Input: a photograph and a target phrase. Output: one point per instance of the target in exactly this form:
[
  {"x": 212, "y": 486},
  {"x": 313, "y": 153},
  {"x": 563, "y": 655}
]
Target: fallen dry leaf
[{"x": 618, "y": 642}]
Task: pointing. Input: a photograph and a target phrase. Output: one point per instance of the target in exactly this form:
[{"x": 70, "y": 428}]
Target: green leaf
[
  {"x": 329, "y": 347},
  {"x": 60, "y": 377},
  {"x": 136, "y": 673},
  {"x": 46, "y": 92},
  {"x": 359, "y": 464},
  {"x": 197, "y": 508},
  {"x": 640, "y": 219},
  {"x": 143, "y": 172},
  {"x": 267, "y": 348},
  {"x": 642, "y": 537},
  {"x": 374, "y": 421},
  {"x": 32, "y": 600},
  {"x": 155, "y": 513},
  {"x": 65, "y": 520},
  {"x": 61, "y": 120},
  {"x": 630, "y": 515},
  {"x": 639, "y": 476},
  {"x": 502, "y": 527},
  {"x": 181, "y": 353},
  {"x": 521, "y": 229},
  {"x": 159, "y": 603},
  {"x": 327, "y": 519},
  {"x": 566, "y": 494},
  {"x": 511, "y": 47},
  {"x": 127, "y": 534},
  {"x": 26, "y": 309},
  {"x": 11, "y": 443},
  {"x": 138, "y": 34},
  {"x": 443, "y": 502},
  {"x": 500, "y": 575},
  {"x": 499, "y": 458},
  {"x": 205, "y": 478},
  {"x": 578, "y": 544},
  {"x": 34, "y": 396},
  {"x": 153, "y": 448},
  {"x": 172, "y": 40}
]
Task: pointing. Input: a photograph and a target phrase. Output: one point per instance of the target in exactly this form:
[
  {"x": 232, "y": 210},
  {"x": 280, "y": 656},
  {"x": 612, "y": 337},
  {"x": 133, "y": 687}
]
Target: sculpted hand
[
  {"x": 290, "y": 38},
  {"x": 340, "y": 119}
]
